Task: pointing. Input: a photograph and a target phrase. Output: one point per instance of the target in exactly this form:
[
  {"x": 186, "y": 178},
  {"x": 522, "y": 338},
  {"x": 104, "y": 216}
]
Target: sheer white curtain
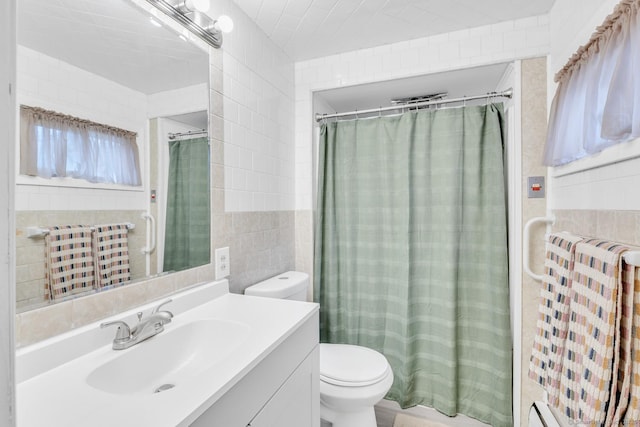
[
  {"x": 597, "y": 102},
  {"x": 56, "y": 145}
]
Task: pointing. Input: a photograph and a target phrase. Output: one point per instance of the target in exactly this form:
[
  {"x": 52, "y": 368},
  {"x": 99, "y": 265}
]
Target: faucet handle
[
  {"x": 123, "y": 333},
  {"x": 157, "y": 309}
]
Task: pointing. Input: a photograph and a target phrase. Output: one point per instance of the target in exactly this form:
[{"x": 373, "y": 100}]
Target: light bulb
[{"x": 225, "y": 24}]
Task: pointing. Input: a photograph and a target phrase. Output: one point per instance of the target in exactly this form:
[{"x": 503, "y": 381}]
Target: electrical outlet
[{"x": 223, "y": 267}]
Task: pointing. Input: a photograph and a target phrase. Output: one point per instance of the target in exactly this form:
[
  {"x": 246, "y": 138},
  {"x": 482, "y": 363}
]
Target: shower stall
[{"x": 372, "y": 101}]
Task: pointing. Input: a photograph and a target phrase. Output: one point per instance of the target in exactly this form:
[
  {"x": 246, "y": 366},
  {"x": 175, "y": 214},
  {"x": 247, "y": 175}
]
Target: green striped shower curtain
[
  {"x": 187, "y": 232},
  {"x": 411, "y": 254}
]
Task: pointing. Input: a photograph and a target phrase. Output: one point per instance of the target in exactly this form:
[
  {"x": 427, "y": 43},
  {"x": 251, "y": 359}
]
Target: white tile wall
[
  {"x": 502, "y": 42},
  {"x": 46, "y": 82},
  {"x": 605, "y": 188},
  {"x": 258, "y": 102}
]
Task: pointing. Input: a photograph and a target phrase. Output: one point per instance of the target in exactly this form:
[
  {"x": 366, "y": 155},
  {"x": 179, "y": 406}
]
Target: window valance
[
  {"x": 597, "y": 101},
  {"x": 58, "y": 145}
]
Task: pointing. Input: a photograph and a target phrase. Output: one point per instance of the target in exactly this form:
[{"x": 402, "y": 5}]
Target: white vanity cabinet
[
  {"x": 234, "y": 361},
  {"x": 282, "y": 390}
]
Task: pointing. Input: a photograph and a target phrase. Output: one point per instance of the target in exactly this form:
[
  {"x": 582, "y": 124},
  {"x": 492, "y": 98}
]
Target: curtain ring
[
  {"x": 464, "y": 101},
  {"x": 380, "y": 111}
]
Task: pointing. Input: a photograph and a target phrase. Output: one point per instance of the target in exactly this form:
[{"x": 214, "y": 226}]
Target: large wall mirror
[{"x": 113, "y": 64}]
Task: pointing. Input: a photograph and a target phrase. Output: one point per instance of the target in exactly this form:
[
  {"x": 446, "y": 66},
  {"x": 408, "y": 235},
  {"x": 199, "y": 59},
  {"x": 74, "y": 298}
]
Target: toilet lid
[{"x": 351, "y": 365}]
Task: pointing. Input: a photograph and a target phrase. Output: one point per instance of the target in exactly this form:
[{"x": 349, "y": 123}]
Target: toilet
[{"x": 352, "y": 378}]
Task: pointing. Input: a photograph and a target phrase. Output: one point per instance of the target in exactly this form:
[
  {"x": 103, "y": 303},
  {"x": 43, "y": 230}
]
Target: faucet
[{"x": 146, "y": 328}]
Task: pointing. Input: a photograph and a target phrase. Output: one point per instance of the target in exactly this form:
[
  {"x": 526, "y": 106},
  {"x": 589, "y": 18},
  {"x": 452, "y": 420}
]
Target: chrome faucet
[{"x": 146, "y": 328}]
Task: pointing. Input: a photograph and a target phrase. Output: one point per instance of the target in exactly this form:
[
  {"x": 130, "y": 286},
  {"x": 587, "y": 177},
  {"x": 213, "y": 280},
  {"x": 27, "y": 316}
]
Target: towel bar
[
  {"x": 526, "y": 261},
  {"x": 34, "y": 232}
]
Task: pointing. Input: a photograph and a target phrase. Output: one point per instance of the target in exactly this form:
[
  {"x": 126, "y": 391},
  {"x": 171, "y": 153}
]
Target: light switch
[
  {"x": 222, "y": 263},
  {"x": 535, "y": 187}
]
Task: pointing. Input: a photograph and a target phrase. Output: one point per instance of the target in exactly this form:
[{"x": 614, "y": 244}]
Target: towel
[
  {"x": 111, "y": 247},
  {"x": 630, "y": 390},
  {"x": 548, "y": 348},
  {"x": 625, "y": 365},
  {"x": 589, "y": 373},
  {"x": 68, "y": 260}
]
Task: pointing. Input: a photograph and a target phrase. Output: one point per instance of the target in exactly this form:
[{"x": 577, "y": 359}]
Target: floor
[{"x": 386, "y": 412}]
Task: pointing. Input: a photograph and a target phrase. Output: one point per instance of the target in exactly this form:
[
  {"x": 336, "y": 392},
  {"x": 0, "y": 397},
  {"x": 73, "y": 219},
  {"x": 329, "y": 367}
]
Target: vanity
[{"x": 223, "y": 360}]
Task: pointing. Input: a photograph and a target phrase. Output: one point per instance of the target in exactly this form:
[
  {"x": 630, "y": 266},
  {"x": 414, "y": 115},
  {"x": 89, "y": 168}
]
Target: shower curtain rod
[
  {"x": 190, "y": 133},
  {"x": 504, "y": 94}
]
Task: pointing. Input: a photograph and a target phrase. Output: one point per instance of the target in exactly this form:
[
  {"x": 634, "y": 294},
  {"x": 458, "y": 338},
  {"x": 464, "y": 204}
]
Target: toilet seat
[{"x": 351, "y": 366}]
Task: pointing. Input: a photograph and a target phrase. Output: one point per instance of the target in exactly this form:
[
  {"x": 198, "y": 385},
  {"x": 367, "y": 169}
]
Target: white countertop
[{"x": 59, "y": 395}]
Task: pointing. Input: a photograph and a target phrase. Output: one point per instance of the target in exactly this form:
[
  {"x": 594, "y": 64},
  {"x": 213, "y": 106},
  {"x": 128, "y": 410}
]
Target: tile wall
[{"x": 258, "y": 101}]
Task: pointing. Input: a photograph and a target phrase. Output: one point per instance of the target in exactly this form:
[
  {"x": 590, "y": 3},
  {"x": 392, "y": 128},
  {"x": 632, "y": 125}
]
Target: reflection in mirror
[
  {"x": 113, "y": 64},
  {"x": 181, "y": 145}
]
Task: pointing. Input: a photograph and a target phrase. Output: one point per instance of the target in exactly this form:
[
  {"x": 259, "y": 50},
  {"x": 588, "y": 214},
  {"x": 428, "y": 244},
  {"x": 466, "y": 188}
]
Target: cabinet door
[{"x": 296, "y": 403}]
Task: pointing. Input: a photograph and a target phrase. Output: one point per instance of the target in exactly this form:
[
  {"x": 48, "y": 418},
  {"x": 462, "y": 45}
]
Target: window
[
  {"x": 57, "y": 145},
  {"x": 597, "y": 102}
]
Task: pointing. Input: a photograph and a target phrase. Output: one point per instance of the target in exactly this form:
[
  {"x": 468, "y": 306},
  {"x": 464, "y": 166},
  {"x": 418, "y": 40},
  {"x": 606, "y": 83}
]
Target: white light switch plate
[{"x": 223, "y": 267}]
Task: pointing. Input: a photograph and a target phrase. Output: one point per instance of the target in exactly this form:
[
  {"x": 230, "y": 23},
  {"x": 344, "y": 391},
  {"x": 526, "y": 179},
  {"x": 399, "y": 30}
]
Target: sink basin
[{"x": 170, "y": 358}]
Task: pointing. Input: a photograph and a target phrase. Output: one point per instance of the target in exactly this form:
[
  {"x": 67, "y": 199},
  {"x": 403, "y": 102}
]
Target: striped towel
[
  {"x": 68, "y": 260},
  {"x": 628, "y": 364},
  {"x": 589, "y": 372},
  {"x": 548, "y": 348},
  {"x": 631, "y": 388},
  {"x": 111, "y": 247}
]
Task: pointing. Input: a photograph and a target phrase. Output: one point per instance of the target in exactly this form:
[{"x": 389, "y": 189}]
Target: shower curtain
[
  {"x": 187, "y": 230},
  {"x": 411, "y": 254}
]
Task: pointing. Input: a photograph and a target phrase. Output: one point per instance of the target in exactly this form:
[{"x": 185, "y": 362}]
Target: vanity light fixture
[
  {"x": 224, "y": 23},
  {"x": 187, "y": 6},
  {"x": 190, "y": 14}
]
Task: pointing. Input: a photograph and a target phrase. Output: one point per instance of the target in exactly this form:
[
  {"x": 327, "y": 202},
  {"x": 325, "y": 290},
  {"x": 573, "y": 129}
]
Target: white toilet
[{"x": 352, "y": 378}]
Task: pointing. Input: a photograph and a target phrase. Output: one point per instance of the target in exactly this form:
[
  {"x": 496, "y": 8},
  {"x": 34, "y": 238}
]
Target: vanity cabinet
[
  {"x": 291, "y": 405},
  {"x": 235, "y": 361},
  {"x": 281, "y": 390}
]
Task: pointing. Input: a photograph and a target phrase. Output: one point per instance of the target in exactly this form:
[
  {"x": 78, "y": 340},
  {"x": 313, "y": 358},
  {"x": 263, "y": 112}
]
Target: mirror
[{"x": 119, "y": 63}]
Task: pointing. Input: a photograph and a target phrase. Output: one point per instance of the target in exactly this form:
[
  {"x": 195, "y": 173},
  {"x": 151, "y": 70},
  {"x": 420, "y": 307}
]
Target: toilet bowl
[{"x": 352, "y": 378}]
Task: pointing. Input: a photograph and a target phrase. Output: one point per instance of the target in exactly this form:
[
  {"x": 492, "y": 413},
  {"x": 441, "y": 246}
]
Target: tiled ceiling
[
  {"x": 112, "y": 39},
  {"x": 307, "y": 29}
]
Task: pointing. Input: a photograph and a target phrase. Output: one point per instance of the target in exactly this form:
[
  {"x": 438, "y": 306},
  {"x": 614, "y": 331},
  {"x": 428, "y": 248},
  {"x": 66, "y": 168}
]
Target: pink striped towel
[
  {"x": 590, "y": 364},
  {"x": 111, "y": 248},
  {"x": 548, "y": 348},
  {"x": 68, "y": 260}
]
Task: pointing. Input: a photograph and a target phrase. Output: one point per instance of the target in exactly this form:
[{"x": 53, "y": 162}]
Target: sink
[{"x": 170, "y": 358}]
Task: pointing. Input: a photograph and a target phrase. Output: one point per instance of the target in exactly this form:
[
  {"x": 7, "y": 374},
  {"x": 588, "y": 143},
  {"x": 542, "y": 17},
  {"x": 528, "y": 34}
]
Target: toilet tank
[{"x": 292, "y": 285}]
